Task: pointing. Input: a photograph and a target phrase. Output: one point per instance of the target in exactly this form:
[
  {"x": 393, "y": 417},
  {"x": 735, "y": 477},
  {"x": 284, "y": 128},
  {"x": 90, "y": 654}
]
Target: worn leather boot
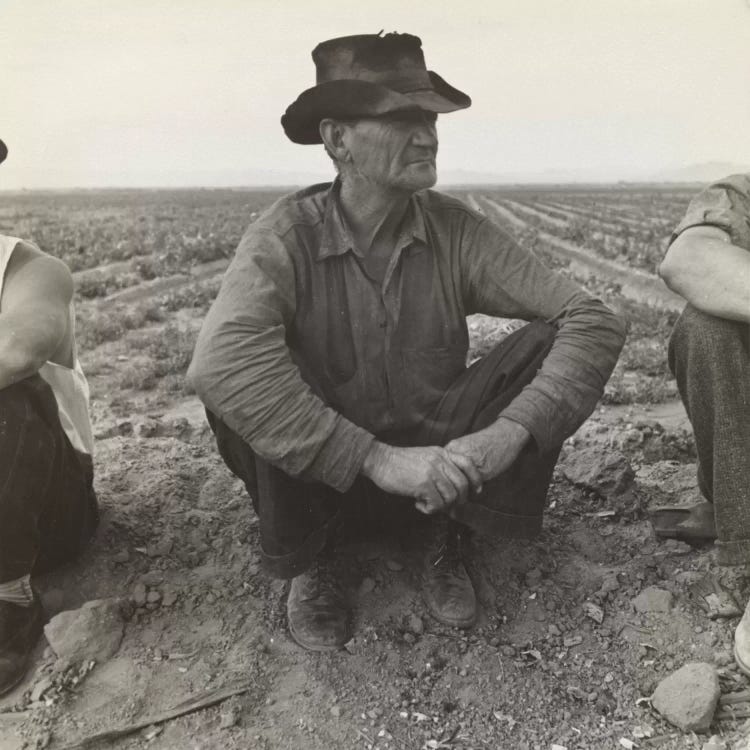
[
  {"x": 447, "y": 588},
  {"x": 742, "y": 642},
  {"x": 20, "y": 629},
  {"x": 317, "y": 611}
]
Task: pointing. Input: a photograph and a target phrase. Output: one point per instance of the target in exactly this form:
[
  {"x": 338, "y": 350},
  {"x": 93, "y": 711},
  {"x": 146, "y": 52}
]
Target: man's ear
[{"x": 332, "y": 133}]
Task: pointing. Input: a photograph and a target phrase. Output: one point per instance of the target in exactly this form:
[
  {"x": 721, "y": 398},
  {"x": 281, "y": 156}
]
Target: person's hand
[
  {"x": 490, "y": 451},
  {"x": 426, "y": 474}
]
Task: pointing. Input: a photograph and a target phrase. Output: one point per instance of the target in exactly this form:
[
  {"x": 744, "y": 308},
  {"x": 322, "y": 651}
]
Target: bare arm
[
  {"x": 34, "y": 314},
  {"x": 703, "y": 266}
]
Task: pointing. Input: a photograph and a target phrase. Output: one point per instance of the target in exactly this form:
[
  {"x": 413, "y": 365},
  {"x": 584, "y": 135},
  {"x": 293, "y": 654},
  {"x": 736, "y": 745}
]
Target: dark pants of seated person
[
  {"x": 710, "y": 357},
  {"x": 48, "y": 509},
  {"x": 297, "y": 518}
]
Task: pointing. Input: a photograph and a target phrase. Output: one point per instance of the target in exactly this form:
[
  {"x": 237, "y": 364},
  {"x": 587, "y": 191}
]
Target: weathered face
[{"x": 395, "y": 152}]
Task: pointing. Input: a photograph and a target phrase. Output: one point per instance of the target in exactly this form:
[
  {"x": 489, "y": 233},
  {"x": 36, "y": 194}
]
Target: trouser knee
[
  {"x": 703, "y": 343},
  {"x": 20, "y": 412}
]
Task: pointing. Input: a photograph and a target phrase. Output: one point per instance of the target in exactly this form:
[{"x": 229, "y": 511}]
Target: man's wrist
[
  {"x": 374, "y": 459},
  {"x": 510, "y": 430}
]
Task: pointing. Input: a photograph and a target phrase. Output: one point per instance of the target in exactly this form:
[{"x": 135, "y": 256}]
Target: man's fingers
[
  {"x": 458, "y": 480},
  {"x": 446, "y": 489},
  {"x": 432, "y": 499},
  {"x": 469, "y": 468}
]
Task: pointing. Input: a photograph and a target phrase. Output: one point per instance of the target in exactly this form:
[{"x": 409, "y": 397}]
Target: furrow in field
[
  {"x": 636, "y": 285},
  {"x": 644, "y": 218},
  {"x": 602, "y": 214},
  {"x": 568, "y": 216},
  {"x": 101, "y": 273},
  {"x": 167, "y": 284},
  {"x": 525, "y": 208}
]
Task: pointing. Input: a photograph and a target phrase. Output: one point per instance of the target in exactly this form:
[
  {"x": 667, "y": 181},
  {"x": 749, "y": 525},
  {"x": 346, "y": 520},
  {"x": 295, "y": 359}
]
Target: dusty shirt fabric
[
  {"x": 307, "y": 358},
  {"x": 724, "y": 204}
]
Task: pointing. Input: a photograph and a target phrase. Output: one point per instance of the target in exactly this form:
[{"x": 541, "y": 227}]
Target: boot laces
[
  {"x": 448, "y": 555},
  {"x": 326, "y": 578}
]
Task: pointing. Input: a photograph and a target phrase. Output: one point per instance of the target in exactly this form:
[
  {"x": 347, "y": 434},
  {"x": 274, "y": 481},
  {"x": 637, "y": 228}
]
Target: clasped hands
[{"x": 439, "y": 477}]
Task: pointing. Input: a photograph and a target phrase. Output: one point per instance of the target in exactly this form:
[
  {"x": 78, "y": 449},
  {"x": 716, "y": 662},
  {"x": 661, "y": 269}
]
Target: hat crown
[
  {"x": 394, "y": 60},
  {"x": 368, "y": 75}
]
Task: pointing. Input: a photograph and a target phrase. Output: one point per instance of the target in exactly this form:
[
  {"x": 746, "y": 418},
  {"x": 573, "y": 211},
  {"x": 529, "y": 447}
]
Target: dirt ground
[{"x": 537, "y": 671}]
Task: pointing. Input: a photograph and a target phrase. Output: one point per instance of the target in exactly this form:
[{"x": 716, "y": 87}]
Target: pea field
[{"x": 560, "y": 658}]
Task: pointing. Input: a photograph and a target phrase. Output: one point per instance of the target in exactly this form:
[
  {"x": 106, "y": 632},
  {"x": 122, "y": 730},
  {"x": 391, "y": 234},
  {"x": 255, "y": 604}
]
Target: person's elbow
[
  {"x": 22, "y": 356},
  {"x": 686, "y": 266},
  {"x": 19, "y": 362},
  {"x": 198, "y": 375},
  {"x": 671, "y": 272},
  {"x": 614, "y": 324},
  {"x": 618, "y": 328}
]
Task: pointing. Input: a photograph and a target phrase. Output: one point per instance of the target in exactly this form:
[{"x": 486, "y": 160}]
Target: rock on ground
[
  {"x": 608, "y": 473},
  {"x": 688, "y": 697},
  {"x": 653, "y": 599},
  {"x": 94, "y": 631}
]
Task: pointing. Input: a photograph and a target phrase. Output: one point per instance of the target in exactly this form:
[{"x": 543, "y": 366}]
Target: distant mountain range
[
  {"x": 706, "y": 172},
  {"x": 693, "y": 173}
]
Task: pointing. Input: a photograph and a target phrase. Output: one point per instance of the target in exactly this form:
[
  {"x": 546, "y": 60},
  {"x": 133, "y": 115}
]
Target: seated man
[
  {"x": 333, "y": 361},
  {"x": 708, "y": 263},
  {"x": 48, "y": 509}
]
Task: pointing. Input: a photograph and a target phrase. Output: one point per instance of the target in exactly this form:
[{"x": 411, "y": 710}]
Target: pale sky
[{"x": 189, "y": 92}]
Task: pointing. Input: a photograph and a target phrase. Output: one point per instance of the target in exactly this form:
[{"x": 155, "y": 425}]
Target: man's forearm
[
  {"x": 572, "y": 377},
  {"x": 711, "y": 274}
]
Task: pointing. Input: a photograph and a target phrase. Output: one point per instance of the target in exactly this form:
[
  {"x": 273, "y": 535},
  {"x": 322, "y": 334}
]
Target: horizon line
[{"x": 301, "y": 185}]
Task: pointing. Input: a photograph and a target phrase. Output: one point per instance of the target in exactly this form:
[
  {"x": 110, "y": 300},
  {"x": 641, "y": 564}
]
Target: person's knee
[
  {"x": 705, "y": 341},
  {"x": 26, "y": 416},
  {"x": 14, "y": 409}
]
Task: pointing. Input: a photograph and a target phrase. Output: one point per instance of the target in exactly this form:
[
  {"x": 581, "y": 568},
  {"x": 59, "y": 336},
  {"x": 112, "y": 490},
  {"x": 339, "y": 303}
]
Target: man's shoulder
[
  {"x": 24, "y": 252},
  {"x": 724, "y": 204},
  {"x": 32, "y": 273},
  {"x": 739, "y": 183},
  {"x": 306, "y": 207},
  {"x": 443, "y": 204}
]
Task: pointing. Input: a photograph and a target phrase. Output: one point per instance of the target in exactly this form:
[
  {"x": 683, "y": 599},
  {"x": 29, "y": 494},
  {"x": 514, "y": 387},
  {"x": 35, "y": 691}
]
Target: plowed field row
[{"x": 636, "y": 285}]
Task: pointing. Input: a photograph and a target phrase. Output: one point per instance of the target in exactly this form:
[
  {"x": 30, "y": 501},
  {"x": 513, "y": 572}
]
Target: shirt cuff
[
  {"x": 539, "y": 435},
  {"x": 340, "y": 460},
  {"x": 548, "y": 421}
]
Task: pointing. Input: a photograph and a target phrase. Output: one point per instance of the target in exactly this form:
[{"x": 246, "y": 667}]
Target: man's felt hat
[
  {"x": 3, "y": 151},
  {"x": 368, "y": 75}
]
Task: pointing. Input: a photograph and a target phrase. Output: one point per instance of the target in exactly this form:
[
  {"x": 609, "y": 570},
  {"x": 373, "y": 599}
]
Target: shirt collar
[{"x": 337, "y": 238}]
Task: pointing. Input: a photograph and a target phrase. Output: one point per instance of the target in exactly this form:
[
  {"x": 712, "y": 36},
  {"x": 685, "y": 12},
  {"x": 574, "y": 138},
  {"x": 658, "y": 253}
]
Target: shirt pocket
[{"x": 427, "y": 374}]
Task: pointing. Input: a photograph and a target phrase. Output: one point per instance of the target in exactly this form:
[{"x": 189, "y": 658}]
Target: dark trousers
[
  {"x": 296, "y": 517},
  {"x": 48, "y": 509},
  {"x": 710, "y": 357}
]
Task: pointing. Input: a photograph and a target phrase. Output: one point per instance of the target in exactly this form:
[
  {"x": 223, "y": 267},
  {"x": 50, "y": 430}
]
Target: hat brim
[
  {"x": 348, "y": 98},
  {"x": 3, "y": 152}
]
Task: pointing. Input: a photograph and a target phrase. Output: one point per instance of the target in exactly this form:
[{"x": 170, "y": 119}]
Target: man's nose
[{"x": 425, "y": 134}]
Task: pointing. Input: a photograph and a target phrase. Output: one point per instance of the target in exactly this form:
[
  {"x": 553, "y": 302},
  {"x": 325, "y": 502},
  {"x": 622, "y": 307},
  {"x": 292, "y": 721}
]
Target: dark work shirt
[{"x": 308, "y": 358}]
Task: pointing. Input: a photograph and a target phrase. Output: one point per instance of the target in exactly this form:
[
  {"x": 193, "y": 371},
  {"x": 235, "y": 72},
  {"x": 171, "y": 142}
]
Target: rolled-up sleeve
[
  {"x": 502, "y": 279},
  {"x": 243, "y": 371},
  {"x": 724, "y": 204}
]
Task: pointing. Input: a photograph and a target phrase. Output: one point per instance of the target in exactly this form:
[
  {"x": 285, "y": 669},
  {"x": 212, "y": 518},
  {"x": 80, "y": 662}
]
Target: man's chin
[{"x": 424, "y": 176}]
